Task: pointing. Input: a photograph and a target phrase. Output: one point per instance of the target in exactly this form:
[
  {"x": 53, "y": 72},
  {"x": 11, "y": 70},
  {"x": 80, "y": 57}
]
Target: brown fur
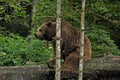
[{"x": 70, "y": 41}]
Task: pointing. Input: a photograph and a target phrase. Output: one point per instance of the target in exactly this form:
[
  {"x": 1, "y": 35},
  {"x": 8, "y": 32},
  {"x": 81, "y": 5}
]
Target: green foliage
[
  {"x": 105, "y": 13},
  {"x": 14, "y": 17},
  {"x": 102, "y": 44},
  {"x": 14, "y": 50},
  {"x": 46, "y": 10},
  {"x": 102, "y": 7}
]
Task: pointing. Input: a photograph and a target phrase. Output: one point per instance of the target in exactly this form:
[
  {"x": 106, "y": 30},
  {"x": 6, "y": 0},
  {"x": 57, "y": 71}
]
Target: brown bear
[{"x": 70, "y": 44}]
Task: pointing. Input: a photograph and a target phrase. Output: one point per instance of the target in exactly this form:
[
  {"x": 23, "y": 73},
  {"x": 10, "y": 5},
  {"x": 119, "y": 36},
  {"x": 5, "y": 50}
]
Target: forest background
[{"x": 19, "y": 20}]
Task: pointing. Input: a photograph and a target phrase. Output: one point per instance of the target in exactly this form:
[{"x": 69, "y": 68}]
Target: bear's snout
[{"x": 38, "y": 36}]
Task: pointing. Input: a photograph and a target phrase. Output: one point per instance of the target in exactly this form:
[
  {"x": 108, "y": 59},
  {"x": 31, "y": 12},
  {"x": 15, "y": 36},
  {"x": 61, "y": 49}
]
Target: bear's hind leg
[{"x": 70, "y": 65}]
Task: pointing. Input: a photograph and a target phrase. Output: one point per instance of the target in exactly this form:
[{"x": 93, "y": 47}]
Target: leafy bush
[
  {"x": 14, "y": 16},
  {"x": 14, "y": 50},
  {"x": 46, "y": 10},
  {"x": 102, "y": 44}
]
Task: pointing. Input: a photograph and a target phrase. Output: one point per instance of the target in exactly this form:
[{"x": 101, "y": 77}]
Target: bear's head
[{"x": 46, "y": 31}]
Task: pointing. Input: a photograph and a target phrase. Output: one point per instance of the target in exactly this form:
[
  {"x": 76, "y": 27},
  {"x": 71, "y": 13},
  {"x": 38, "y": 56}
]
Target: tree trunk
[
  {"x": 58, "y": 35},
  {"x": 32, "y": 14},
  {"x": 82, "y": 41}
]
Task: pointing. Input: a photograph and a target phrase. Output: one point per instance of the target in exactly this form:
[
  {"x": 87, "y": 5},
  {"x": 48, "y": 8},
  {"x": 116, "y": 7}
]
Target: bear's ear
[{"x": 49, "y": 23}]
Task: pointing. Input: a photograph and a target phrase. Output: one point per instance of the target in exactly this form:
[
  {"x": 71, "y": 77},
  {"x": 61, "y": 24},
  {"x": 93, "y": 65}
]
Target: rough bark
[
  {"x": 109, "y": 62},
  {"x": 58, "y": 42},
  {"x": 82, "y": 41}
]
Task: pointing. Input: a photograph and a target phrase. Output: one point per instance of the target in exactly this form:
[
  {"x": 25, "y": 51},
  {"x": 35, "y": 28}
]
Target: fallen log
[
  {"x": 109, "y": 62},
  {"x": 34, "y": 72},
  {"x": 105, "y": 68}
]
